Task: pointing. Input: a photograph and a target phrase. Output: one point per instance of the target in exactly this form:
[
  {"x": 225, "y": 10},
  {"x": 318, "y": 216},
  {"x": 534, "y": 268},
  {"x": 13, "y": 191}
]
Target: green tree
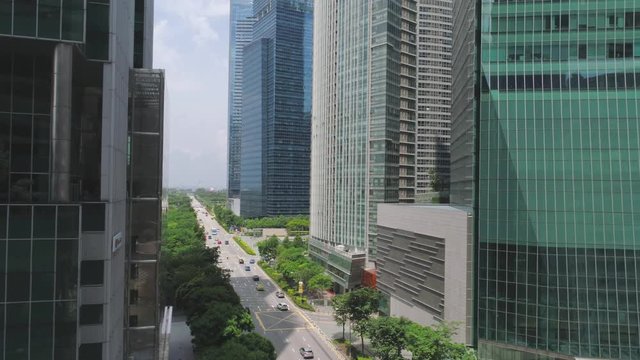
[
  {"x": 362, "y": 303},
  {"x": 340, "y": 310},
  {"x": 241, "y": 322},
  {"x": 435, "y": 343},
  {"x": 388, "y": 336},
  {"x": 208, "y": 327},
  {"x": 269, "y": 248},
  {"x": 299, "y": 243},
  {"x": 319, "y": 282}
]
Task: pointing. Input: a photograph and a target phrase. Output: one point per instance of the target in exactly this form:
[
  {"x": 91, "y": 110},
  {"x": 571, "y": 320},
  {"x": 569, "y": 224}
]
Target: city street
[{"x": 287, "y": 330}]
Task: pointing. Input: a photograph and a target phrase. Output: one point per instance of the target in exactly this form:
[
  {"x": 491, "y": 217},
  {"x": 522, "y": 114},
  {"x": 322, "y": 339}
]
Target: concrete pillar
[{"x": 61, "y": 123}]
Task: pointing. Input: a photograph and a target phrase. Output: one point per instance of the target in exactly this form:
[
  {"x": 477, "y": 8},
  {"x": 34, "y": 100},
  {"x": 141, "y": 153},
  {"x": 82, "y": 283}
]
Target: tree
[
  {"x": 299, "y": 243},
  {"x": 208, "y": 327},
  {"x": 319, "y": 282},
  {"x": 340, "y": 310},
  {"x": 269, "y": 248},
  {"x": 238, "y": 324},
  {"x": 435, "y": 343},
  {"x": 435, "y": 181},
  {"x": 388, "y": 336},
  {"x": 361, "y": 304}
]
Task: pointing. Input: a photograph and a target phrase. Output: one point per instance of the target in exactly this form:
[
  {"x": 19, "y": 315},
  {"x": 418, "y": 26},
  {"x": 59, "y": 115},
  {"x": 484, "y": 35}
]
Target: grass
[
  {"x": 300, "y": 301},
  {"x": 244, "y": 245}
]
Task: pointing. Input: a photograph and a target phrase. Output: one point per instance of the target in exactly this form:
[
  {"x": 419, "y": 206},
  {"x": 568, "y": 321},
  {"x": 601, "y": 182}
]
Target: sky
[{"x": 191, "y": 42}]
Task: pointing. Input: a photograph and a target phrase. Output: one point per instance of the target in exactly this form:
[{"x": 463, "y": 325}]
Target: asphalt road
[{"x": 287, "y": 330}]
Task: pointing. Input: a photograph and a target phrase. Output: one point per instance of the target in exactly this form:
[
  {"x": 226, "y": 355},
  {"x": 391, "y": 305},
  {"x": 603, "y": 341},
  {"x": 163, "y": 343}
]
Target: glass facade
[
  {"x": 240, "y": 30},
  {"x": 276, "y": 110},
  {"x": 39, "y": 281},
  {"x": 558, "y": 179},
  {"x": 146, "y": 108}
]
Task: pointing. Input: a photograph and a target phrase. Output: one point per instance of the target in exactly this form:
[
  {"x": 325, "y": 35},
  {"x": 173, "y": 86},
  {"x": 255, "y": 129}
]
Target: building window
[
  {"x": 133, "y": 320},
  {"x": 92, "y": 272},
  {"x": 133, "y": 297},
  {"x": 91, "y": 314},
  {"x": 133, "y": 271},
  {"x": 91, "y": 351},
  {"x": 93, "y": 217},
  {"x": 623, "y": 50}
]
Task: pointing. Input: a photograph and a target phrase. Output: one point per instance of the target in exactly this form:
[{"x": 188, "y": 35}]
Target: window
[
  {"x": 92, "y": 272},
  {"x": 133, "y": 320},
  {"x": 133, "y": 297},
  {"x": 623, "y": 50},
  {"x": 90, "y": 351},
  {"x": 93, "y": 217},
  {"x": 91, "y": 314}
]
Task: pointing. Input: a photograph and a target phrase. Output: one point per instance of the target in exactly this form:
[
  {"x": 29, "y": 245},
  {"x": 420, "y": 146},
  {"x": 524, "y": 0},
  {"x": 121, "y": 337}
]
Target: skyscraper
[
  {"x": 70, "y": 169},
  {"x": 433, "y": 126},
  {"x": 363, "y": 137},
  {"x": 240, "y": 30},
  {"x": 276, "y": 110},
  {"x": 546, "y": 151}
]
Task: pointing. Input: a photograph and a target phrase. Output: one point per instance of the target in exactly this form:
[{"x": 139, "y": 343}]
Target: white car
[{"x": 282, "y": 307}]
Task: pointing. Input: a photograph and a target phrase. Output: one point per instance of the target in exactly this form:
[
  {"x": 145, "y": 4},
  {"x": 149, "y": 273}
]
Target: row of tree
[
  {"x": 293, "y": 224},
  {"x": 292, "y": 261},
  {"x": 192, "y": 281},
  {"x": 391, "y": 335}
]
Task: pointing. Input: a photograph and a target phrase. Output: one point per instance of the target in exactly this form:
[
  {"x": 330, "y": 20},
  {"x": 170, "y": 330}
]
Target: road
[{"x": 287, "y": 330}]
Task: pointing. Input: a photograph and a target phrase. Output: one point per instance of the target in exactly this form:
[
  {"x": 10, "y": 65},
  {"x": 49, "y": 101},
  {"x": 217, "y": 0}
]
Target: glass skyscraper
[
  {"x": 363, "y": 138},
  {"x": 276, "y": 110},
  {"x": 555, "y": 164},
  {"x": 72, "y": 161},
  {"x": 240, "y": 29}
]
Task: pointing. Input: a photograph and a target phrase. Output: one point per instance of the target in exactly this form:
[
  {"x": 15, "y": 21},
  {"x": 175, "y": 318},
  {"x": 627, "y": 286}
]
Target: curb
[{"x": 324, "y": 336}]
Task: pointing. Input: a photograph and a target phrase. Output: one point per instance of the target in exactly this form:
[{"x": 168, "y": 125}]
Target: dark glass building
[
  {"x": 240, "y": 30},
  {"x": 555, "y": 172},
  {"x": 276, "y": 110},
  {"x": 66, "y": 148}
]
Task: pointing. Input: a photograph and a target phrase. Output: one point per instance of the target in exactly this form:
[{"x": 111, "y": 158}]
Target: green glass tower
[{"x": 556, "y": 175}]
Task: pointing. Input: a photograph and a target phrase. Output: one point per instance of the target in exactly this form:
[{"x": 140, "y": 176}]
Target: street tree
[
  {"x": 249, "y": 346},
  {"x": 269, "y": 248},
  {"x": 319, "y": 282},
  {"x": 362, "y": 303},
  {"x": 435, "y": 343},
  {"x": 388, "y": 336},
  {"x": 340, "y": 310}
]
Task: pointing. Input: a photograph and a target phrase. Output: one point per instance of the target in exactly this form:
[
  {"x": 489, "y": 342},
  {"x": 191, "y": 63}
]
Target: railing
[{"x": 165, "y": 333}]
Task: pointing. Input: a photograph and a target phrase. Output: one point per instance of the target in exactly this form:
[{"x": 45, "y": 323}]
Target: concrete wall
[{"x": 425, "y": 264}]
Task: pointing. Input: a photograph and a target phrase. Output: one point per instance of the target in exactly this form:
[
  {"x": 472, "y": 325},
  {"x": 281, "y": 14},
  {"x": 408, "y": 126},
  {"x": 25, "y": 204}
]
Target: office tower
[
  {"x": 240, "y": 29},
  {"x": 363, "y": 137},
  {"x": 66, "y": 147},
  {"x": 276, "y": 110},
  {"x": 554, "y": 164},
  {"x": 434, "y": 97}
]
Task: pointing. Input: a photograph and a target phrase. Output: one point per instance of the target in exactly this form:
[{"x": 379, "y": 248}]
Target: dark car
[
  {"x": 306, "y": 353},
  {"x": 252, "y": 261},
  {"x": 256, "y": 278},
  {"x": 279, "y": 294},
  {"x": 247, "y": 268}
]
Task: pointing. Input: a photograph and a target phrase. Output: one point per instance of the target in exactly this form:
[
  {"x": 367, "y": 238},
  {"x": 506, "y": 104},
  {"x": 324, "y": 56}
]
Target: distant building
[
  {"x": 80, "y": 180},
  {"x": 433, "y": 126},
  {"x": 240, "y": 30},
  {"x": 363, "y": 137},
  {"x": 276, "y": 110}
]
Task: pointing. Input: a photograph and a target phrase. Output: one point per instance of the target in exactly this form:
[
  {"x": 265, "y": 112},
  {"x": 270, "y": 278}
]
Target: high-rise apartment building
[
  {"x": 80, "y": 151},
  {"x": 363, "y": 136},
  {"x": 545, "y": 149},
  {"x": 276, "y": 110},
  {"x": 433, "y": 127},
  {"x": 240, "y": 30}
]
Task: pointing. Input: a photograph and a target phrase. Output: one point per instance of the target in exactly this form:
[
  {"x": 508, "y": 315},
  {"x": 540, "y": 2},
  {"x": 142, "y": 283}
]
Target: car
[
  {"x": 226, "y": 242},
  {"x": 282, "y": 306},
  {"x": 252, "y": 261},
  {"x": 260, "y": 287},
  {"x": 306, "y": 353},
  {"x": 209, "y": 237},
  {"x": 241, "y": 261},
  {"x": 279, "y": 294},
  {"x": 256, "y": 278},
  {"x": 220, "y": 242},
  {"x": 247, "y": 268}
]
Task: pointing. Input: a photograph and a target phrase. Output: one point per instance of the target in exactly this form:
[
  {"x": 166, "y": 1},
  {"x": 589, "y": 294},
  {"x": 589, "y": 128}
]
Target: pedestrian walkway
[{"x": 180, "y": 347}]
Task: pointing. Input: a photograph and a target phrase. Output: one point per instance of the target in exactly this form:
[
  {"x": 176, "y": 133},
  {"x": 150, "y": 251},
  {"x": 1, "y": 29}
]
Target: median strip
[{"x": 244, "y": 246}]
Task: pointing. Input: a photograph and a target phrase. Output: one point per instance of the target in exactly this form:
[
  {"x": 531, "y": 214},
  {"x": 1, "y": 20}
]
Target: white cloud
[{"x": 199, "y": 15}]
